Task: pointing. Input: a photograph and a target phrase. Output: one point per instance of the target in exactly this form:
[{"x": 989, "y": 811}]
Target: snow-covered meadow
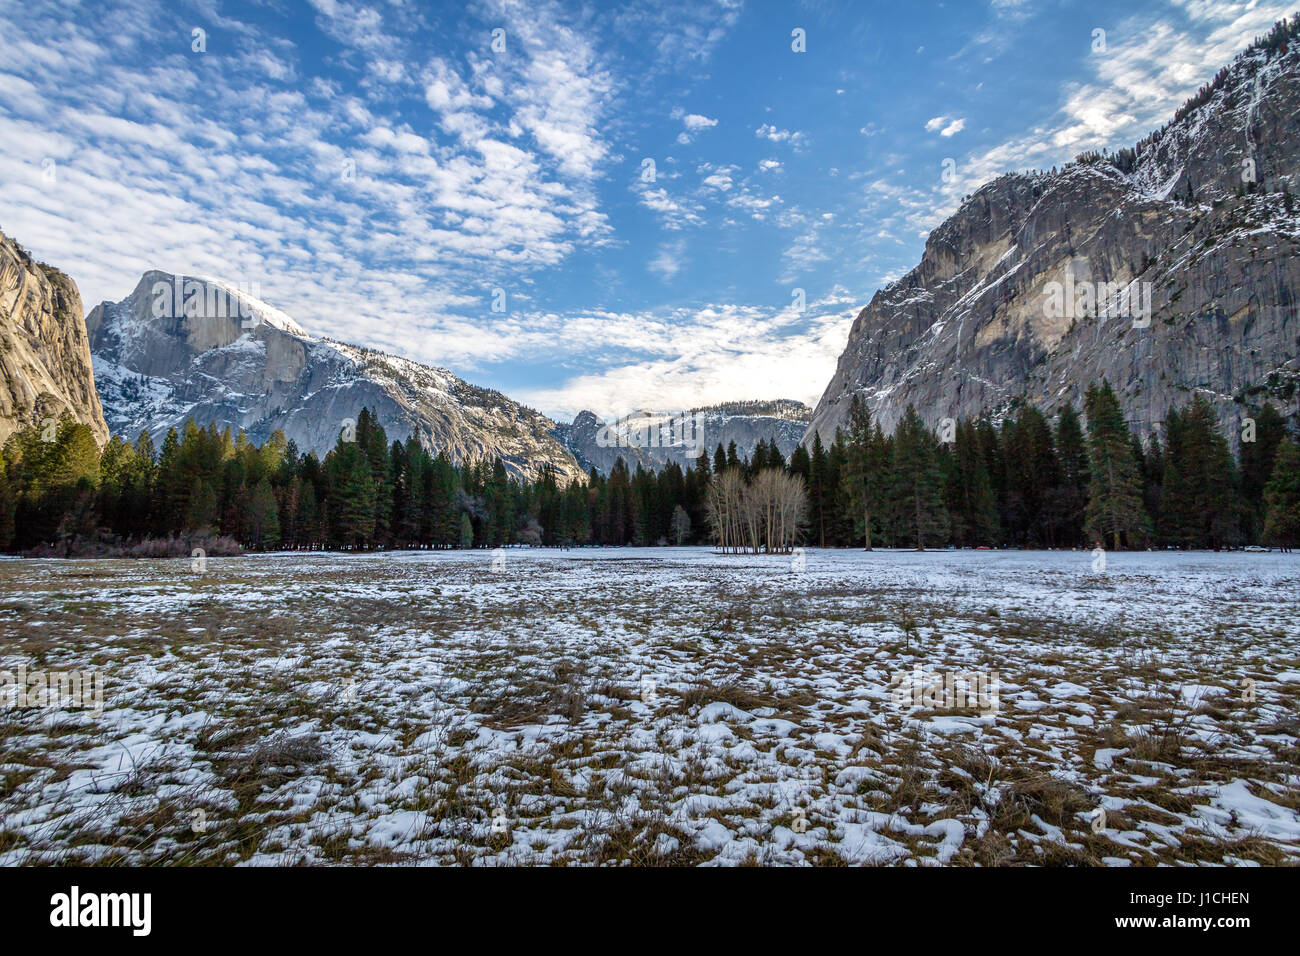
[{"x": 656, "y": 706}]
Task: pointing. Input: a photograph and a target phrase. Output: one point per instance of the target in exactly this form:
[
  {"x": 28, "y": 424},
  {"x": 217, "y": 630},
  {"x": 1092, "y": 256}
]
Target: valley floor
[{"x": 657, "y": 706}]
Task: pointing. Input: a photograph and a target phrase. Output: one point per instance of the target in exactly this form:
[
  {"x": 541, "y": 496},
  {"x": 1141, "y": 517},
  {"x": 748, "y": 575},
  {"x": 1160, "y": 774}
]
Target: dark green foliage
[
  {"x": 1025, "y": 483},
  {"x": 1198, "y": 505},
  {"x": 1067, "y": 501},
  {"x": 1259, "y": 447},
  {"x": 969, "y": 491},
  {"x": 1282, "y": 498},
  {"x": 919, "y": 511},
  {"x": 1116, "y": 512}
]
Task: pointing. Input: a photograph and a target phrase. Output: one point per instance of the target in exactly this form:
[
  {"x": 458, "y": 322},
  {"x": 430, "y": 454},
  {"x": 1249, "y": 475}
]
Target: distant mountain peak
[
  {"x": 682, "y": 435},
  {"x": 183, "y": 347}
]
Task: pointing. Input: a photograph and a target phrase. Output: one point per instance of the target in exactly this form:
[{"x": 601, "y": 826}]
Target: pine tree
[
  {"x": 1069, "y": 499},
  {"x": 76, "y": 455},
  {"x": 839, "y": 520},
  {"x": 288, "y": 497},
  {"x": 866, "y": 469},
  {"x": 1153, "y": 477},
  {"x": 169, "y": 493},
  {"x": 775, "y": 460},
  {"x": 1115, "y": 508},
  {"x": 617, "y": 523},
  {"x": 203, "y": 507},
  {"x": 1257, "y": 458},
  {"x": 991, "y": 451},
  {"x": 263, "y": 521},
  {"x": 309, "y": 519},
  {"x": 1282, "y": 498},
  {"x": 702, "y": 465},
  {"x": 643, "y": 518},
  {"x": 351, "y": 495},
  {"x": 1031, "y": 472},
  {"x": 373, "y": 441},
  {"x": 817, "y": 495},
  {"x": 918, "y": 487},
  {"x": 1175, "y": 520},
  {"x": 800, "y": 462},
  {"x": 8, "y": 507},
  {"x": 400, "y": 470},
  {"x": 1198, "y": 501},
  {"x": 500, "y": 524},
  {"x": 971, "y": 503}
]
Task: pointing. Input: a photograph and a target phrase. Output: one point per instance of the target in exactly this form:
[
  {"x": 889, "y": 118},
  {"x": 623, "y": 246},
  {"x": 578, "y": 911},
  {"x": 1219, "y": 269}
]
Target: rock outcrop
[
  {"x": 44, "y": 352},
  {"x": 1169, "y": 269}
]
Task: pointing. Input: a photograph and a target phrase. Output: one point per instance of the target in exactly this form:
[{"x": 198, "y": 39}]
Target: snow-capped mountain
[
  {"x": 653, "y": 439},
  {"x": 1169, "y": 269},
  {"x": 186, "y": 347}
]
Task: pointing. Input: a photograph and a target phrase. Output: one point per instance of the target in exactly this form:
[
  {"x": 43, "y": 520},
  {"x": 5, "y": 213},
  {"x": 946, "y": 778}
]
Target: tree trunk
[{"x": 920, "y": 545}]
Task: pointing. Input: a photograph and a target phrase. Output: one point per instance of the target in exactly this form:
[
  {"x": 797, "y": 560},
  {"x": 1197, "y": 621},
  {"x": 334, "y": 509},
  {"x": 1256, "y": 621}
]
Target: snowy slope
[
  {"x": 223, "y": 356},
  {"x": 653, "y": 439}
]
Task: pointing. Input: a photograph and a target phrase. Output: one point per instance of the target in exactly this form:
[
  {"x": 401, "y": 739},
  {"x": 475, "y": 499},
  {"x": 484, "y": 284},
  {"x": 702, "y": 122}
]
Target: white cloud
[
  {"x": 669, "y": 260},
  {"x": 674, "y": 212},
  {"x": 159, "y": 180},
  {"x": 717, "y": 177},
  {"x": 776, "y": 135},
  {"x": 695, "y": 122},
  {"x": 680, "y": 36},
  {"x": 1151, "y": 66},
  {"x": 945, "y": 126},
  {"x": 703, "y": 356},
  {"x": 564, "y": 90}
]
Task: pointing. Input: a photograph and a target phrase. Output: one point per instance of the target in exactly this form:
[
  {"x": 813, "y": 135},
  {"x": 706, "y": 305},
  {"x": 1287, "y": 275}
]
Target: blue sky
[{"x": 379, "y": 170}]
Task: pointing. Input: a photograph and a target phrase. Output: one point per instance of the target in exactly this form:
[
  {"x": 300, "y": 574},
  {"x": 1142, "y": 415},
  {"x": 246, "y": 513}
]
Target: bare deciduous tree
[{"x": 765, "y": 515}]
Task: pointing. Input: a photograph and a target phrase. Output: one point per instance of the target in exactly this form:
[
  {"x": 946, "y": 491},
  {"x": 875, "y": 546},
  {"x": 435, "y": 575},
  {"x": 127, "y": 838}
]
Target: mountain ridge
[
  {"x": 1198, "y": 217},
  {"x": 654, "y": 439},
  {"x": 259, "y": 370}
]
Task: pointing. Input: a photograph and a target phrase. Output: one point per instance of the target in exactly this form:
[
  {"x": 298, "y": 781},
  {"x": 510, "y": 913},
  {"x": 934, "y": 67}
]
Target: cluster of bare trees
[{"x": 765, "y": 514}]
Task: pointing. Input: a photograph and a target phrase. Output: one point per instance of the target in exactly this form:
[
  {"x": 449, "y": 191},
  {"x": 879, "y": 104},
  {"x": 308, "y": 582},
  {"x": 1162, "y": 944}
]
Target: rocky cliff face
[
  {"x": 1169, "y": 269},
  {"x": 182, "y": 347},
  {"x": 45, "y": 366},
  {"x": 653, "y": 439}
]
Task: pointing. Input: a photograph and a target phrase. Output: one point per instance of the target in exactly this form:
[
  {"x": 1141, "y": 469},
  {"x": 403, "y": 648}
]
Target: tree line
[{"x": 1025, "y": 482}]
